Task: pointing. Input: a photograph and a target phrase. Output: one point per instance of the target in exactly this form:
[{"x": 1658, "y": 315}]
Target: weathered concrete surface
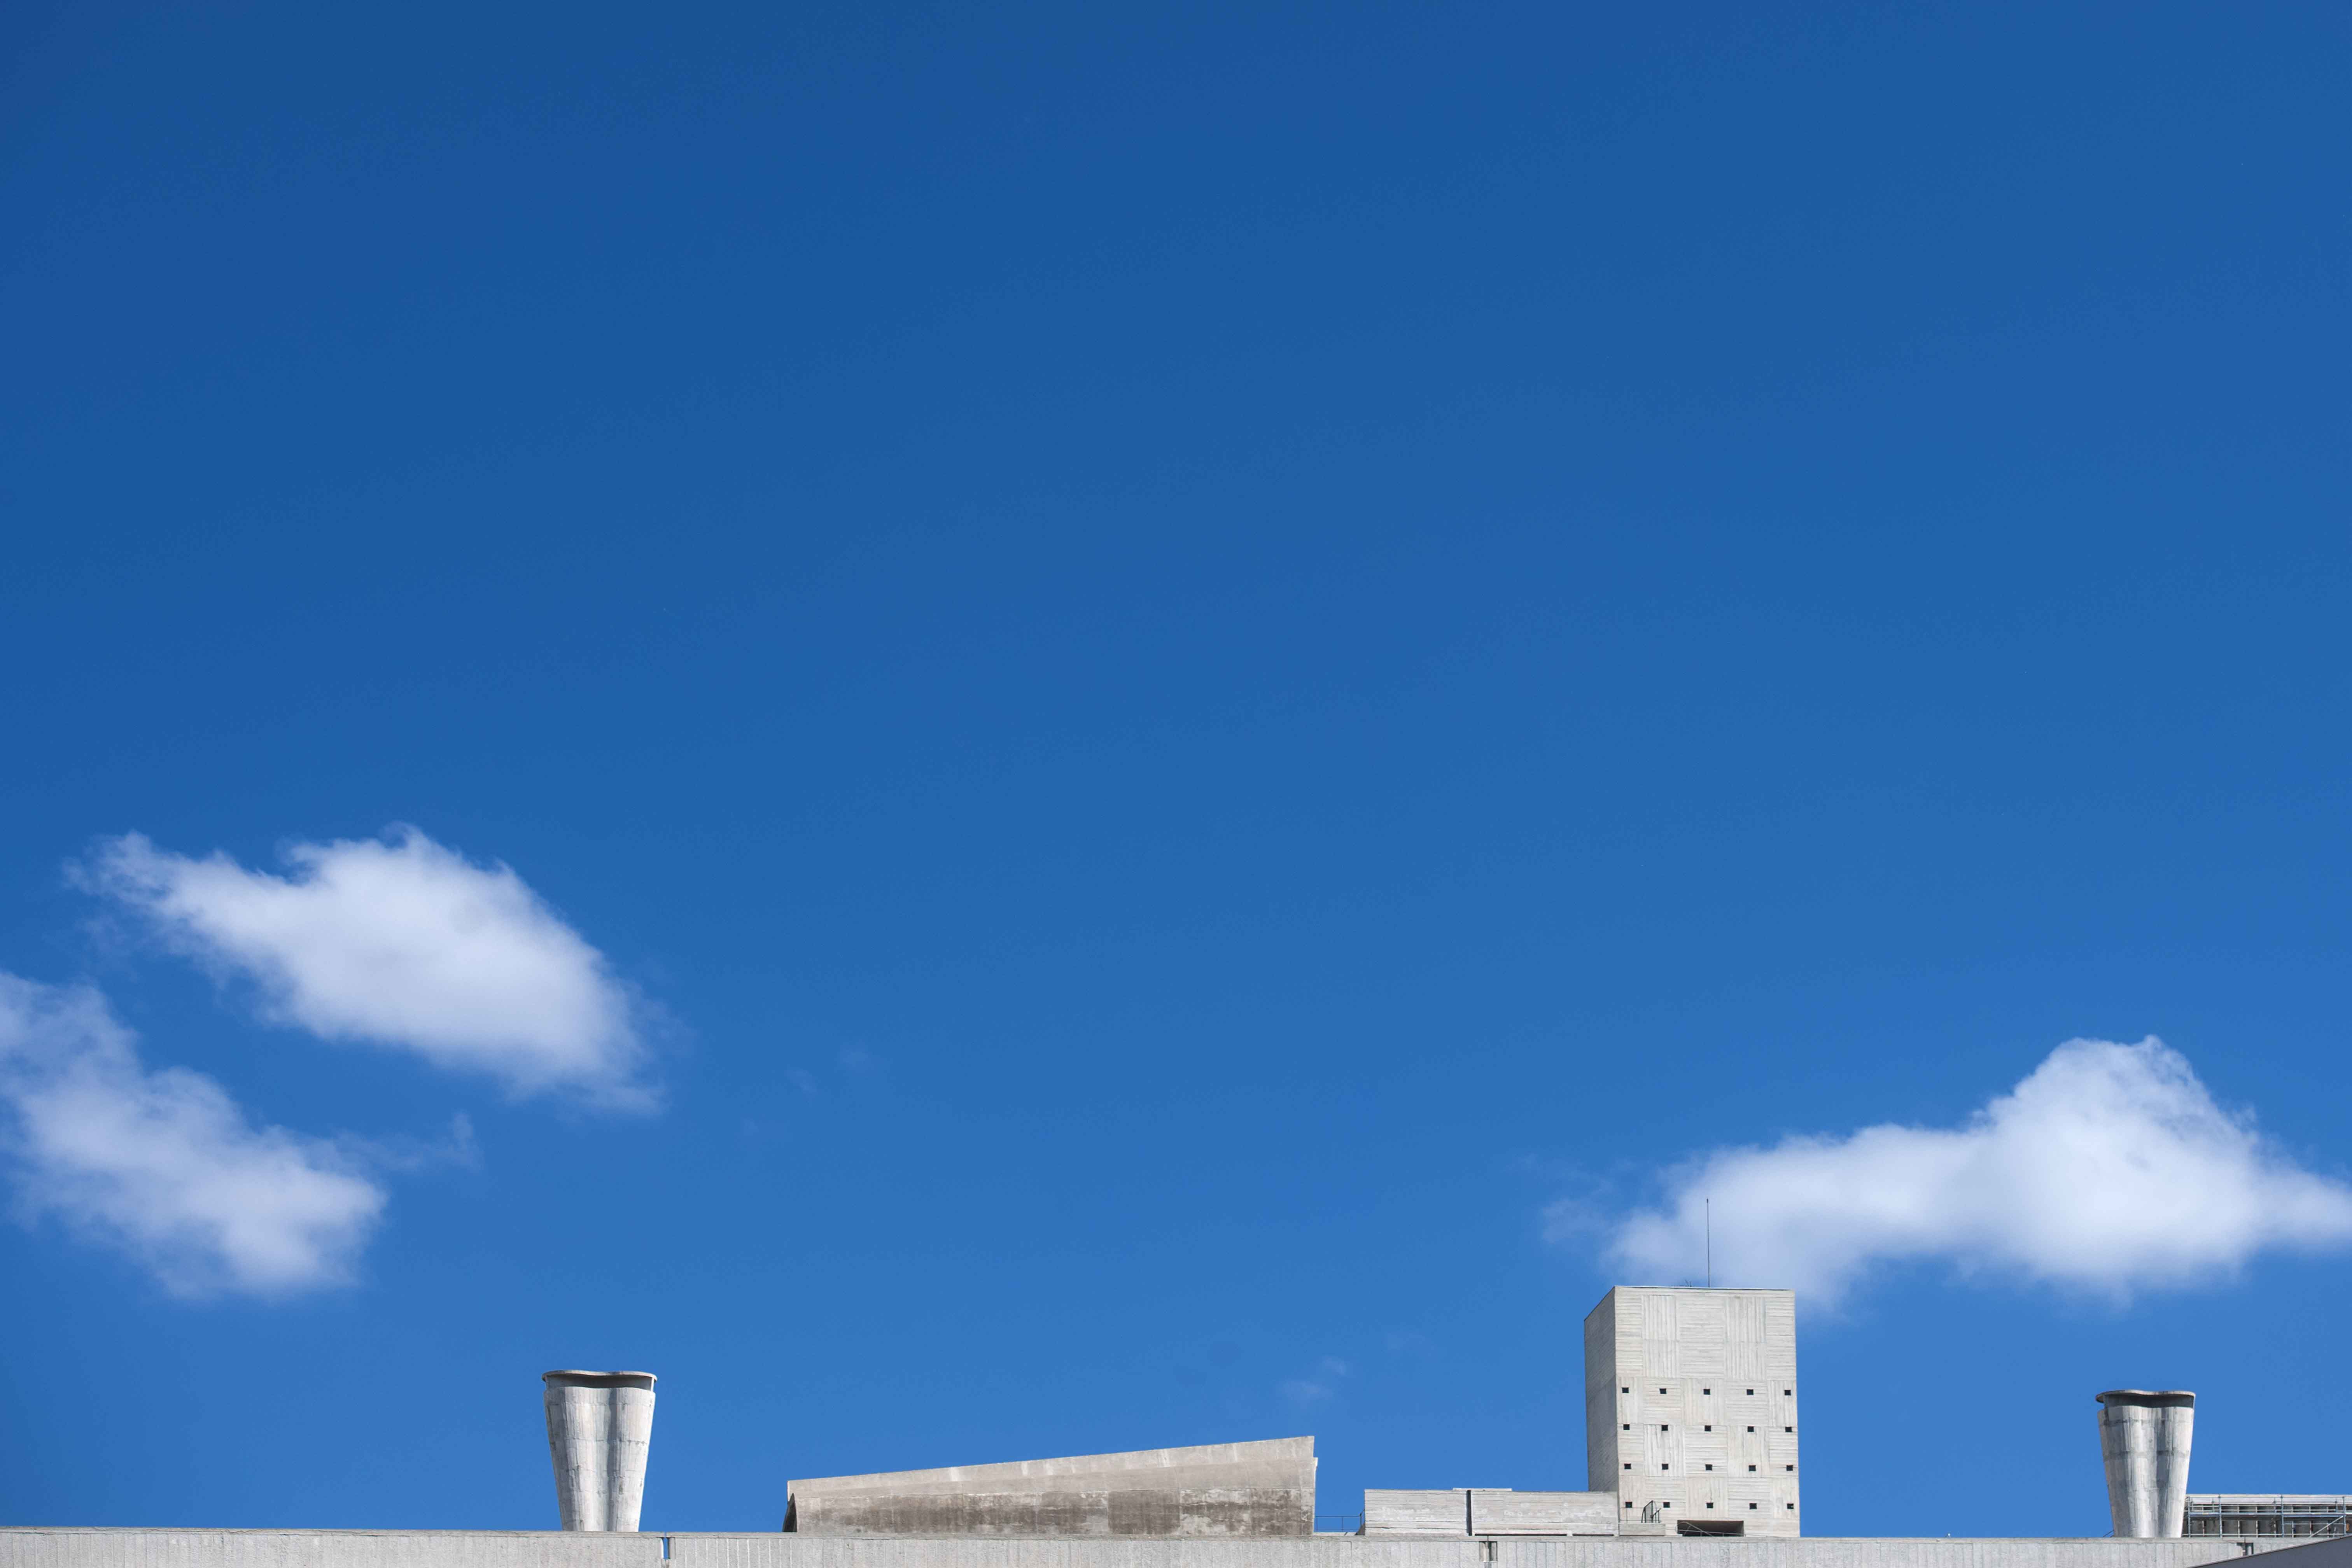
[
  {"x": 600, "y": 1427},
  {"x": 1251, "y": 1490},
  {"x": 2144, "y": 1438},
  {"x": 1390, "y": 1511},
  {"x": 1362, "y": 1551},
  {"x": 1690, "y": 1405},
  {"x": 1543, "y": 1514},
  {"x": 62, "y": 1548},
  {"x": 1489, "y": 1510},
  {"x": 29, "y": 1547}
]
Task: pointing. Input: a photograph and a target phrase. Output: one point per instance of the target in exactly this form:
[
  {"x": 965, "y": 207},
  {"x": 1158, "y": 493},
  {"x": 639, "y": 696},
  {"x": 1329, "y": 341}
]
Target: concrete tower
[
  {"x": 2144, "y": 1438},
  {"x": 599, "y": 1426},
  {"x": 1690, "y": 1409}
]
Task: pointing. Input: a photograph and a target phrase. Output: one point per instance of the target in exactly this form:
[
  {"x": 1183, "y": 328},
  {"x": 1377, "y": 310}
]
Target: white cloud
[
  {"x": 164, "y": 1166},
  {"x": 2109, "y": 1167},
  {"x": 402, "y": 943},
  {"x": 1320, "y": 1389}
]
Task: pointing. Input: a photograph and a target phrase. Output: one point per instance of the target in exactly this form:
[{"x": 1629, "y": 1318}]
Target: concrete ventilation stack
[
  {"x": 599, "y": 1426},
  {"x": 2144, "y": 1438}
]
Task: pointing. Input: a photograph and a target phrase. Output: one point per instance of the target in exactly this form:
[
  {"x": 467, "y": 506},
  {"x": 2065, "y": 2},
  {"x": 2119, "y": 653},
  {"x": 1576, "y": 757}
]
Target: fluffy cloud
[
  {"x": 163, "y": 1166},
  {"x": 2109, "y": 1167},
  {"x": 401, "y": 943}
]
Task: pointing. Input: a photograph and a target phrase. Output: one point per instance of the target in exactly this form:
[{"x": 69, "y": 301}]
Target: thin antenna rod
[{"x": 1710, "y": 1244}]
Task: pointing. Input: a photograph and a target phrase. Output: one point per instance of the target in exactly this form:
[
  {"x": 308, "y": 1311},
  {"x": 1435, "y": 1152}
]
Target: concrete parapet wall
[
  {"x": 1475, "y": 1511},
  {"x": 68, "y": 1548},
  {"x": 64, "y": 1548}
]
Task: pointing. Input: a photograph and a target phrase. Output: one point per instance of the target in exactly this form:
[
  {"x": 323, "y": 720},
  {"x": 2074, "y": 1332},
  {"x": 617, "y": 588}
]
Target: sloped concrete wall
[{"x": 1243, "y": 1490}]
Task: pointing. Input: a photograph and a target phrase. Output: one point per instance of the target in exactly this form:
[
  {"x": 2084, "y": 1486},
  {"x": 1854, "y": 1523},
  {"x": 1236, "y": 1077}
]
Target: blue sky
[{"x": 1010, "y": 732}]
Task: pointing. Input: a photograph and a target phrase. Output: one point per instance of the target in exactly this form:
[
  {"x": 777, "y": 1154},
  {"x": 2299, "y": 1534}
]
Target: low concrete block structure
[
  {"x": 1402, "y": 1514},
  {"x": 1543, "y": 1514},
  {"x": 1487, "y": 1510},
  {"x": 1262, "y": 1490}
]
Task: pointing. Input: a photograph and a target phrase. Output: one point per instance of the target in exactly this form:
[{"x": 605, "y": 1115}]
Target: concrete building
[
  {"x": 45, "y": 1547},
  {"x": 1690, "y": 1410},
  {"x": 1682, "y": 1385},
  {"x": 1262, "y": 1490}
]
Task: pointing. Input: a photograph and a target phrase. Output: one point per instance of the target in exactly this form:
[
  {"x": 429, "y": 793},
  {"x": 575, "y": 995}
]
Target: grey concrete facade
[
  {"x": 1249, "y": 1490},
  {"x": 83, "y": 1548},
  {"x": 1690, "y": 1408},
  {"x": 600, "y": 1428},
  {"x": 2144, "y": 1440}
]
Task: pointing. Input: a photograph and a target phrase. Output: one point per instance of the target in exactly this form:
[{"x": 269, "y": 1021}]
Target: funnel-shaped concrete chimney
[
  {"x": 2143, "y": 1438},
  {"x": 599, "y": 1426}
]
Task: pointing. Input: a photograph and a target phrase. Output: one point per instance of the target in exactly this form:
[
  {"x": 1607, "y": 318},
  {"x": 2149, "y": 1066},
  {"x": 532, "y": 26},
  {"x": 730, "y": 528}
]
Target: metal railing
[{"x": 2273, "y": 1517}]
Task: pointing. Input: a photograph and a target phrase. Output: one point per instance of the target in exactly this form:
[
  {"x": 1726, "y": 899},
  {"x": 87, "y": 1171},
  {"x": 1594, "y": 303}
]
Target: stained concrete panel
[
  {"x": 1543, "y": 1514},
  {"x": 1422, "y": 1514},
  {"x": 1260, "y": 1490}
]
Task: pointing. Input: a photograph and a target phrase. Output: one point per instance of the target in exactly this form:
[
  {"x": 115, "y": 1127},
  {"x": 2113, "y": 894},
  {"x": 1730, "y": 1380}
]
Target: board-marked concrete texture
[
  {"x": 1489, "y": 1510},
  {"x": 600, "y": 1427},
  {"x": 1261, "y": 1491},
  {"x": 1690, "y": 1407}
]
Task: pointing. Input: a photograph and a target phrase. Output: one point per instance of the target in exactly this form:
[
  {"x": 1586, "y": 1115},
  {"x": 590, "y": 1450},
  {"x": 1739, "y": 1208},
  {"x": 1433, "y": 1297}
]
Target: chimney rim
[
  {"x": 600, "y": 1379},
  {"x": 2159, "y": 1397}
]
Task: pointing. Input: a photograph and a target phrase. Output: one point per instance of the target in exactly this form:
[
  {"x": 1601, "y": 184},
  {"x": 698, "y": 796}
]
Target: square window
[
  {"x": 1707, "y": 1429},
  {"x": 1750, "y": 1505},
  {"x": 1710, "y": 1467},
  {"x": 1665, "y": 1429},
  {"x": 1788, "y": 1391},
  {"x": 1708, "y": 1391},
  {"x": 1790, "y": 1468},
  {"x": 1626, "y": 1391},
  {"x": 1792, "y": 1507},
  {"x": 1751, "y": 1428},
  {"x": 1629, "y": 1466},
  {"x": 1669, "y": 1505},
  {"x": 1629, "y": 1426},
  {"x": 1661, "y": 1391},
  {"x": 1787, "y": 1428},
  {"x": 1630, "y": 1505},
  {"x": 1665, "y": 1467},
  {"x": 1751, "y": 1466},
  {"x": 1751, "y": 1390}
]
